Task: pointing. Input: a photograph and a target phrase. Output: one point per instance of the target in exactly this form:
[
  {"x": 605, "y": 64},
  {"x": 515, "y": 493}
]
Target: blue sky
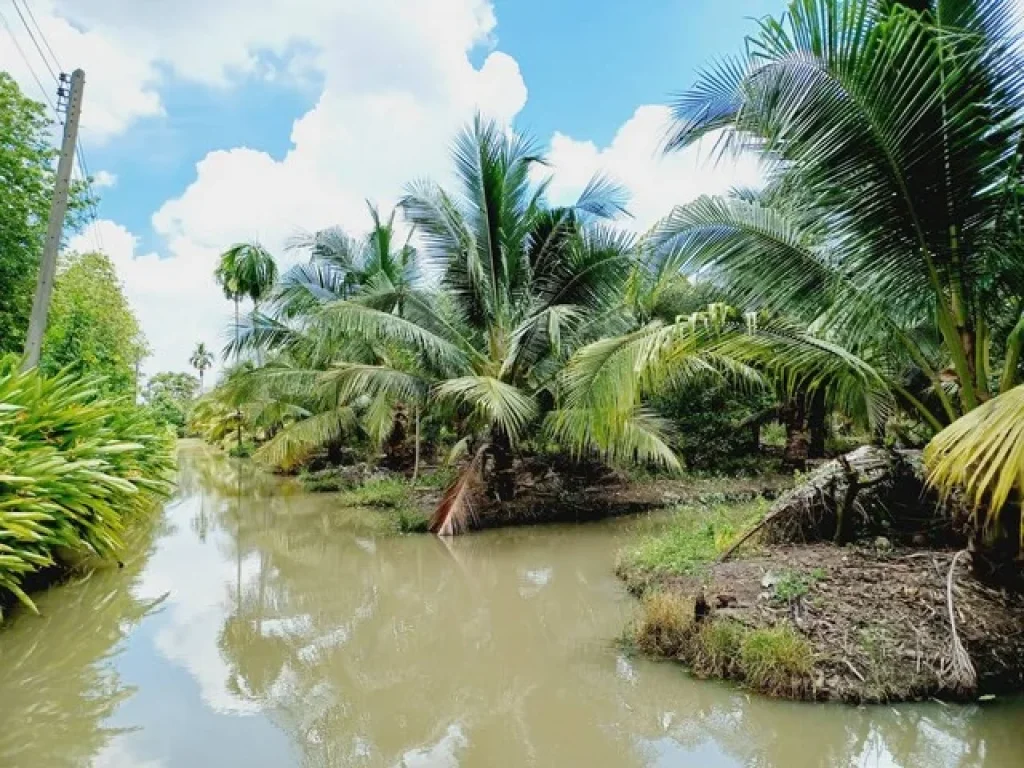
[{"x": 245, "y": 119}]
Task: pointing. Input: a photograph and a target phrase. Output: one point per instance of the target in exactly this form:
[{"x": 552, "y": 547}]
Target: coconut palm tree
[
  {"x": 895, "y": 131},
  {"x": 201, "y": 360},
  {"x": 245, "y": 270},
  {"x": 522, "y": 285},
  {"x": 294, "y": 395},
  {"x": 341, "y": 266}
]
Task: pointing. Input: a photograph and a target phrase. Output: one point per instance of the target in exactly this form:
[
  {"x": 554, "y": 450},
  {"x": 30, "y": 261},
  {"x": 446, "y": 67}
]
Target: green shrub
[
  {"x": 706, "y": 419},
  {"x": 75, "y": 467}
]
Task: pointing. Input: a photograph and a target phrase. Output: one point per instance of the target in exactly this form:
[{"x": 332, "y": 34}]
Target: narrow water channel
[{"x": 256, "y": 627}]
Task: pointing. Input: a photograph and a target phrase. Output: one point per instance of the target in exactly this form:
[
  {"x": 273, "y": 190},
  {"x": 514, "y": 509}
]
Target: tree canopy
[
  {"x": 27, "y": 155},
  {"x": 92, "y": 329}
]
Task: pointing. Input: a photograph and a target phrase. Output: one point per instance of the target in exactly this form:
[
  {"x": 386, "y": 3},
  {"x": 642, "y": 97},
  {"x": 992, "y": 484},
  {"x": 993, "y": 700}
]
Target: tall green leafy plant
[{"x": 75, "y": 469}]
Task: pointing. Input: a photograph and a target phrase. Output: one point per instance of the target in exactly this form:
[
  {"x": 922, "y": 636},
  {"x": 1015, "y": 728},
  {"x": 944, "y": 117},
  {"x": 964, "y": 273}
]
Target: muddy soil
[{"x": 876, "y": 617}]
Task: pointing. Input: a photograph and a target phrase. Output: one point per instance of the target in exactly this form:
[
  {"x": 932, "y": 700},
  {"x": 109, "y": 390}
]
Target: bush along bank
[
  {"x": 75, "y": 469},
  {"x": 767, "y": 597}
]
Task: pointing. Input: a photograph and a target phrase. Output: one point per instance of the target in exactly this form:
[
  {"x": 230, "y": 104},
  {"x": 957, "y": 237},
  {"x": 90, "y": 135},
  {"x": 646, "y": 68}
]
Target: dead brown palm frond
[{"x": 456, "y": 511}]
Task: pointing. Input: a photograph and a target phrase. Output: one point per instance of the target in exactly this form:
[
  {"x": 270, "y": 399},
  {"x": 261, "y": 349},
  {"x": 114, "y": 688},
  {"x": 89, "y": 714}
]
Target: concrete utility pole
[{"x": 55, "y": 227}]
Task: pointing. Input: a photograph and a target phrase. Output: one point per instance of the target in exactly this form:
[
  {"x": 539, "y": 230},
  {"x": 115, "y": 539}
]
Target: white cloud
[
  {"x": 104, "y": 179},
  {"x": 120, "y": 76},
  {"x": 656, "y": 182},
  {"x": 397, "y": 84}
]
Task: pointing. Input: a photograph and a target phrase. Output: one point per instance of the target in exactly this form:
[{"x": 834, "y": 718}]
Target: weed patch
[
  {"x": 695, "y": 537},
  {"x": 795, "y": 585}
]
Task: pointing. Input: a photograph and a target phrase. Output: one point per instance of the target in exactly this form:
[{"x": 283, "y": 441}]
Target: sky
[{"x": 206, "y": 123}]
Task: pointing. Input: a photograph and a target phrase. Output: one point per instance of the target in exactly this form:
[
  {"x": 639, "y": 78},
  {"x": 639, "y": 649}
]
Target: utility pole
[{"x": 55, "y": 227}]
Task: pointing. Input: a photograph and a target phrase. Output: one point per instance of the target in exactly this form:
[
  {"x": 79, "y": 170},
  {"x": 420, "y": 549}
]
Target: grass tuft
[
  {"x": 777, "y": 660},
  {"x": 664, "y": 625},
  {"x": 716, "y": 648}
]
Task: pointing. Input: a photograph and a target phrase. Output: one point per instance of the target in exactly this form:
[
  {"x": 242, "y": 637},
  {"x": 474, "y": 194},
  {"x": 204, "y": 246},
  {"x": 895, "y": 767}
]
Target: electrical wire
[
  {"x": 32, "y": 37},
  {"x": 83, "y": 168},
  {"x": 41, "y": 35},
  {"x": 24, "y": 58}
]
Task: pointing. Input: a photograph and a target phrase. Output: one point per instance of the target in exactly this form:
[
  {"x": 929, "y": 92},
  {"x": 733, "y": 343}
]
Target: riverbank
[
  {"x": 546, "y": 494},
  {"x": 865, "y": 623}
]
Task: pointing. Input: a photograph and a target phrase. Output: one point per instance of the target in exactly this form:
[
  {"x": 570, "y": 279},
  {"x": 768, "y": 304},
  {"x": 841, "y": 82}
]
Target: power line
[
  {"x": 32, "y": 37},
  {"x": 83, "y": 168},
  {"x": 41, "y": 35},
  {"x": 24, "y": 58},
  {"x": 91, "y": 200}
]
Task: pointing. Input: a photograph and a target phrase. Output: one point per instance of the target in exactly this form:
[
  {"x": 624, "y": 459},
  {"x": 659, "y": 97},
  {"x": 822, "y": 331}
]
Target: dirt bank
[{"x": 795, "y": 614}]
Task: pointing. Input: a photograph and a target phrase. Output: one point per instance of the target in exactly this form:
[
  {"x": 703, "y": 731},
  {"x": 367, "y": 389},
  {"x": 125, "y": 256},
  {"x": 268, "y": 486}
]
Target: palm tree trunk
[
  {"x": 238, "y": 409},
  {"x": 792, "y": 414},
  {"x": 416, "y": 459},
  {"x": 817, "y": 424},
  {"x": 503, "y": 481}
]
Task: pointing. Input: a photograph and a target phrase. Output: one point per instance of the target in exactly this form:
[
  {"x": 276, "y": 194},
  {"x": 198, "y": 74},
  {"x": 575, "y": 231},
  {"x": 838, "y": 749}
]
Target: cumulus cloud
[
  {"x": 397, "y": 83},
  {"x": 104, "y": 179},
  {"x": 121, "y": 76},
  {"x": 656, "y": 182}
]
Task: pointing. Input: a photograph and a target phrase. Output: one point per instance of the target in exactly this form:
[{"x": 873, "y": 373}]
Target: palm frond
[
  {"x": 982, "y": 453},
  {"x": 498, "y": 402}
]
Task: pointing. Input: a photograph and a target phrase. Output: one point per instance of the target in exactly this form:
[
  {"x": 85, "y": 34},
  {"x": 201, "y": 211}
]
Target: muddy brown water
[{"x": 255, "y": 626}]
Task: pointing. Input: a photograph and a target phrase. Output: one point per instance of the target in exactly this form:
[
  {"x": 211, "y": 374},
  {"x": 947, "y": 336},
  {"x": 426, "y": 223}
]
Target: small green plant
[
  {"x": 77, "y": 468},
  {"x": 777, "y": 660},
  {"x": 795, "y": 585},
  {"x": 438, "y": 479},
  {"x": 242, "y": 450},
  {"x": 411, "y": 521}
]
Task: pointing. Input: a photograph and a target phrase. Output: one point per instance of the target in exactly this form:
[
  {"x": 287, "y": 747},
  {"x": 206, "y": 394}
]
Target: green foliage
[
  {"x": 75, "y": 469},
  {"x": 201, "y": 359},
  {"x": 793, "y": 585},
  {"x": 246, "y": 270},
  {"x": 694, "y": 537},
  {"x": 385, "y": 491},
  {"x": 892, "y": 220},
  {"x": 387, "y": 505},
  {"x": 27, "y": 160},
  {"x": 92, "y": 329},
  {"x": 170, "y": 397},
  {"x": 707, "y": 419},
  {"x": 716, "y": 648}
]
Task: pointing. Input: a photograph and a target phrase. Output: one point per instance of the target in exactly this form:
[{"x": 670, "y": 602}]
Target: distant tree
[
  {"x": 245, "y": 270},
  {"x": 201, "y": 360},
  {"x": 26, "y": 181},
  {"x": 170, "y": 396},
  {"x": 92, "y": 329}
]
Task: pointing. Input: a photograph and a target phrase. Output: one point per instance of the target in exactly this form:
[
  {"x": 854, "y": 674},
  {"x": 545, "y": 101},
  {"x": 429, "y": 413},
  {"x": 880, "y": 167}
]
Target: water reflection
[
  {"x": 57, "y": 674},
  {"x": 291, "y": 637}
]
